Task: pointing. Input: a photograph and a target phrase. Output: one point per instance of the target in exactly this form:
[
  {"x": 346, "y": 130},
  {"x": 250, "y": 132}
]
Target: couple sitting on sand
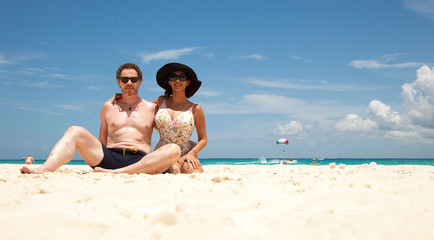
[{"x": 127, "y": 122}]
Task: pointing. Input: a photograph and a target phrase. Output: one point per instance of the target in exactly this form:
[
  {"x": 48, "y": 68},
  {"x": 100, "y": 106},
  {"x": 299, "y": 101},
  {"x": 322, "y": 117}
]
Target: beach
[{"x": 224, "y": 202}]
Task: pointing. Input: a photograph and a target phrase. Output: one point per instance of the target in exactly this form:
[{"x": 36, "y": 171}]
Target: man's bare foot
[
  {"x": 28, "y": 170},
  {"x": 175, "y": 169},
  {"x": 100, "y": 169}
]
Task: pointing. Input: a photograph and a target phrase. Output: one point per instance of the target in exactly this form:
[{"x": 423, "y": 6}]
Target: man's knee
[
  {"x": 174, "y": 150},
  {"x": 75, "y": 130}
]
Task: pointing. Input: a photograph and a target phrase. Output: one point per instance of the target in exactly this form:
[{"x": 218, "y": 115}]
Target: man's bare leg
[
  {"x": 156, "y": 162},
  {"x": 75, "y": 138}
]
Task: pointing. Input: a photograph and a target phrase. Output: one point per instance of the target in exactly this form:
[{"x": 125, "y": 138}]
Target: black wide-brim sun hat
[{"x": 166, "y": 70}]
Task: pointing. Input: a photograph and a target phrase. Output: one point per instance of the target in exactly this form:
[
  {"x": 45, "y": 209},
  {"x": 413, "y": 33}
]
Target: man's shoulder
[
  {"x": 109, "y": 102},
  {"x": 147, "y": 103},
  {"x": 107, "y": 105}
]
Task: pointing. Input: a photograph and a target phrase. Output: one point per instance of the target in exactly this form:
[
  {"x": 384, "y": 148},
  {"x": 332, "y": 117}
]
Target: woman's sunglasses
[
  {"x": 126, "y": 79},
  {"x": 182, "y": 77}
]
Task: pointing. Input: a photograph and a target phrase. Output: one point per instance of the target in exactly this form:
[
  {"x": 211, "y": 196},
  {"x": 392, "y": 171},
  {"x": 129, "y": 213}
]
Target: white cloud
[
  {"x": 41, "y": 110},
  {"x": 419, "y": 98},
  {"x": 415, "y": 135},
  {"x": 355, "y": 123},
  {"x": 255, "y": 103},
  {"x": 157, "y": 89},
  {"x": 43, "y": 84},
  {"x": 166, "y": 54},
  {"x": 279, "y": 84},
  {"x": 54, "y": 69},
  {"x": 271, "y": 103},
  {"x": 70, "y": 107},
  {"x": 319, "y": 85},
  {"x": 322, "y": 112},
  {"x": 402, "y": 135},
  {"x": 60, "y": 76},
  {"x": 383, "y": 115},
  {"x": 290, "y": 129},
  {"x": 20, "y": 58},
  {"x": 31, "y": 71},
  {"x": 423, "y": 7},
  {"x": 3, "y": 60},
  {"x": 375, "y": 64},
  {"x": 384, "y": 62},
  {"x": 94, "y": 88},
  {"x": 210, "y": 55},
  {"x": 29, "y": 56},
  {"x": 297, "y": 58},
  {"x": 252, "y": 56},
  {"x": 416, "y": 121}
]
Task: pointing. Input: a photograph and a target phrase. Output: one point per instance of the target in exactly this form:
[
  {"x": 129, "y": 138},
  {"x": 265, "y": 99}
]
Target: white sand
[{"x": 225, "y": 202}]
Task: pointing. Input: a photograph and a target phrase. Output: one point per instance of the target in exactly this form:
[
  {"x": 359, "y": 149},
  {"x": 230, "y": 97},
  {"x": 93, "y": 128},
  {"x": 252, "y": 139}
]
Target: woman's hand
[
  {"x": 116, "y": 97},
  {"x": 191, "y": 160}
]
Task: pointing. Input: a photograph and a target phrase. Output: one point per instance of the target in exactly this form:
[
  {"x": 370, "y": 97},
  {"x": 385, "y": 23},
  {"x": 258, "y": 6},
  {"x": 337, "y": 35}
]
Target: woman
[
  {"x": 177, "y": 117},
  {"x": 29, "y": 159}
]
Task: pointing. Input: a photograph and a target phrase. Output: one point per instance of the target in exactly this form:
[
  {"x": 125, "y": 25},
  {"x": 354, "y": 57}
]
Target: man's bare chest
[{"x": 140, "y": 120}]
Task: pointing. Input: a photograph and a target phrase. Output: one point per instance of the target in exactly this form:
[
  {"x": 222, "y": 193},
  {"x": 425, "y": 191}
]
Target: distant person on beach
[
  {"x": 177, "y": 117},
  {"x": 29, "y": 159},
  {"x": 124, "y": 137}
]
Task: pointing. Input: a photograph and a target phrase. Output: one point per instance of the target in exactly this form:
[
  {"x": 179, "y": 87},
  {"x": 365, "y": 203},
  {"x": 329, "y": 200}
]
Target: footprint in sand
[
  {"x": 39, "y": 191},
  {"x": 166, "y": 218},
  {"x": 220, "y": 179}
]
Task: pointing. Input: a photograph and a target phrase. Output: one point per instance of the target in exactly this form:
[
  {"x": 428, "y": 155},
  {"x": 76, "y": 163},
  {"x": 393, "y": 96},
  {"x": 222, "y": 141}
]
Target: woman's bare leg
[{"x": 191, "y": 169}]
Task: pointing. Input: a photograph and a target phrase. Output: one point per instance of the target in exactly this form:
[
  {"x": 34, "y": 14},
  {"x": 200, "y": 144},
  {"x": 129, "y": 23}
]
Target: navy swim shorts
[{"x": 119, "y": 157}]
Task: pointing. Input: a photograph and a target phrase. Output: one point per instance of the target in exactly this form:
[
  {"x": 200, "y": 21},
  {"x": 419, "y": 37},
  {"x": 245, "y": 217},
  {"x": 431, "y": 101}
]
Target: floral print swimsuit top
[{"x": 176, "y": 130}]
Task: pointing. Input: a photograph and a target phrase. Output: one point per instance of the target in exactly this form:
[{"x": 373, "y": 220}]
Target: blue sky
[{"x": 337, "y": 78}]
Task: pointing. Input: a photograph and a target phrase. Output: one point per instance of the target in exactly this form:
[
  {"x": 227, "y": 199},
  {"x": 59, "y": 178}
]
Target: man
[{"x": 124, "y": 137}]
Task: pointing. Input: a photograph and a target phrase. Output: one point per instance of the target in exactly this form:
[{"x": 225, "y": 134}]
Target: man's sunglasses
[
  {"x": 182, "y": 77},
  {"x": 126, "y": 79}
]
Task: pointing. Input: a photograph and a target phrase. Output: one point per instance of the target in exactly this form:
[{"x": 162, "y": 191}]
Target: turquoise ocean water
[{"x": 274, "y": 161}]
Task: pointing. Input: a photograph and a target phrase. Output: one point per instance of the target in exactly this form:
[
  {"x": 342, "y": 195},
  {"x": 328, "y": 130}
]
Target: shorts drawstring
[{"x": 135, "y": 149}]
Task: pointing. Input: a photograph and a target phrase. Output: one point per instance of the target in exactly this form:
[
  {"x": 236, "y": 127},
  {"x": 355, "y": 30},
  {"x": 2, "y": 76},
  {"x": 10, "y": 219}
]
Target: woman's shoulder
[
  {"x": 196, "y": 107},
  {"x": 159, "y": 100}
]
